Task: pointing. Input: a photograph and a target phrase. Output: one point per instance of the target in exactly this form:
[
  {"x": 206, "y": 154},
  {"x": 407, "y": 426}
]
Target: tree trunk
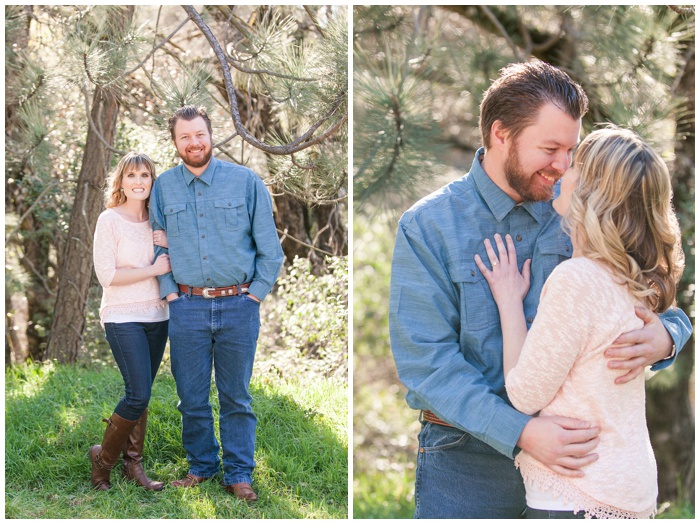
[{"x": 65, "y": 338}]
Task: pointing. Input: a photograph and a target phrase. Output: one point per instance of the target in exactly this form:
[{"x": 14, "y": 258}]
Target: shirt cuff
[
  {"x": 259, "y": 290},
  {"x": 504, "y": 431},
  {"x": 167, "y": 285}
]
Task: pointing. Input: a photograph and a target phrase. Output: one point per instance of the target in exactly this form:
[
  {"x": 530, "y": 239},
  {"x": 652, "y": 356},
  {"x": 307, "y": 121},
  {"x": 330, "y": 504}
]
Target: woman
[
  {"x": 616, "y": 204},
  {"x": 133, "y": 315}
]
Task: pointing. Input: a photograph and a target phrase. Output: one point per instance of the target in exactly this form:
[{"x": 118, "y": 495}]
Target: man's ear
[{"x": 499, "y": 134}]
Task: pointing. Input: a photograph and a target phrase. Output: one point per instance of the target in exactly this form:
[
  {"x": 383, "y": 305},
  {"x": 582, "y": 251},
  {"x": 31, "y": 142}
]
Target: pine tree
[
  {"x": 636, "y": 64},
  {"x": 275, "y": 88}
]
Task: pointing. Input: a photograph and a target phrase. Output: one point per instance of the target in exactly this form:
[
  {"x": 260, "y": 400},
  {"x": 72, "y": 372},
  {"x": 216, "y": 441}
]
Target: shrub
[{"x": 305, "y": 322}]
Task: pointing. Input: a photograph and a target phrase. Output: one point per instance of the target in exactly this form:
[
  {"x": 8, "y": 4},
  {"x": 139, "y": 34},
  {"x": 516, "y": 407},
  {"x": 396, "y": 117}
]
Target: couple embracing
[
  {"x": 524, "y": 311},
  {"x": 189, "y": 256}
]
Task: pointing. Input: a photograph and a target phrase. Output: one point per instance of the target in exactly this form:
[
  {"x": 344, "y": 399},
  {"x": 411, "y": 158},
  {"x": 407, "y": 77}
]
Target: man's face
[
  {"x": 541, "y": 154},
  {"x": 193, "y": 142}
]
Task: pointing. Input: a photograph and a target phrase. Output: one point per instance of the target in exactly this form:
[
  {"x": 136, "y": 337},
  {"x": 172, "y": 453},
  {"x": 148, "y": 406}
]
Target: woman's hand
[
  {"x": 160, "y": 238},
  {"x": 506, "y": 282},
  {"x": 162, "y": 265}
]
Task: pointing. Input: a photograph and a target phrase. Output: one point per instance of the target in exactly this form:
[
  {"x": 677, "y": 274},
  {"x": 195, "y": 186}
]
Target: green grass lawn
[{"x": 53, "y": 415}]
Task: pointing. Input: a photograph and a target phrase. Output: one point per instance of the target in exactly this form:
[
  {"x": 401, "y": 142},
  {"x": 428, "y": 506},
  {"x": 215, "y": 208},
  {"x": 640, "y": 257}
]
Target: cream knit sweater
[
  {"x": 119, "y": 243},
  {"x": 562, "y": 371}
]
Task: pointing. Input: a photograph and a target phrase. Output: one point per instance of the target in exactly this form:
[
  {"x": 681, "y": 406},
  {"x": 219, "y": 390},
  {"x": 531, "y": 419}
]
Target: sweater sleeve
[
  {"x": 557, "y": 336},
  {"x": 104, "y": 250}
]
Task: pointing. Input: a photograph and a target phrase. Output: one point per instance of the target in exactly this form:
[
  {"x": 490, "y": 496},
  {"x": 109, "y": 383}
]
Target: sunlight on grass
[
  {"x": 53, "y": 416},
  {"x": 32, "y": 379}
]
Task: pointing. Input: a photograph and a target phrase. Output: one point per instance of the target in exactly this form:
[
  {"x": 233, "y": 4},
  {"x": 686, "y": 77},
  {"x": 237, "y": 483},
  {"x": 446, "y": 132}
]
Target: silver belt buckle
[{"x": 206, "y": 290}]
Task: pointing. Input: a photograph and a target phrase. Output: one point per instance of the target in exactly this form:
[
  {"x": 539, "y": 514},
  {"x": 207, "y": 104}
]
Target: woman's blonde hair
[
  {"x": 113, "y": 194},
  {"x": 621, "y": 213}
]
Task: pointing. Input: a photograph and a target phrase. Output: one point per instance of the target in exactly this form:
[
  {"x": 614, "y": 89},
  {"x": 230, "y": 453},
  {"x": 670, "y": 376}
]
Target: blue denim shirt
[
  {"x": 444, "y": 324},
  {"x": 219, "y": 226}
]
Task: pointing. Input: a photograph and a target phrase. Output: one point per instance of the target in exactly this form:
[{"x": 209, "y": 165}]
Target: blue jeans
[
  {"x": 138, "y": 349},
  {"x": 458, "y": 476},
  {"x": 222, "y": 331}
]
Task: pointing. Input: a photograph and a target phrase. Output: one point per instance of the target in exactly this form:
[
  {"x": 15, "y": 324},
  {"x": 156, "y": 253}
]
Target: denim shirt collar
[
  {"x": 205, "y": 177},
  {"x": 496, "y": 199}
]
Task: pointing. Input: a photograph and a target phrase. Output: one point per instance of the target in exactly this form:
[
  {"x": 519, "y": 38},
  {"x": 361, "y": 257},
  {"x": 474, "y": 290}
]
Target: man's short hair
[
  {"x": 521, "y": 90},
  {"x": 188, "y": 113}
]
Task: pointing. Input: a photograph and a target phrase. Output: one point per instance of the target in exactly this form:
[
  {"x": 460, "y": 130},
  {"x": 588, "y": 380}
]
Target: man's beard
[
  {"x": 196, "y": 163},
  {"x": 523, "y": 184}
]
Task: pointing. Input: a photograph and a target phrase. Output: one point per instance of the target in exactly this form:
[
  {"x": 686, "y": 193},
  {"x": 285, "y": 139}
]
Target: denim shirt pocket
[
  {"x": 229, "y": 212},
  {"x": 552, "y": 252},
  {"x": 174, "y": 218},
  {"x": 478, "y": 309}
]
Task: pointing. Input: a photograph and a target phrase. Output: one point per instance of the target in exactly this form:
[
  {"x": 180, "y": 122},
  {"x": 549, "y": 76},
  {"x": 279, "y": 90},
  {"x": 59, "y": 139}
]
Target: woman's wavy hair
[
  {"x": 113, "y": 194},
  {"x": 621, "y": 214}
]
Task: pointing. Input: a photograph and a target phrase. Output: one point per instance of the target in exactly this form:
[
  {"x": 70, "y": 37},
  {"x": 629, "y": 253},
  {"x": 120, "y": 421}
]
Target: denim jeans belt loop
[
  {"x": 429, "y": 416},
  {"x": 213, "y": 292}
]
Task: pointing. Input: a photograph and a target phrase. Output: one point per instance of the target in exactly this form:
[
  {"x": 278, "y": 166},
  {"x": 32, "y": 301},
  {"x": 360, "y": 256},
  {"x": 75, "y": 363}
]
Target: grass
[{"x": 53, "y": 415}]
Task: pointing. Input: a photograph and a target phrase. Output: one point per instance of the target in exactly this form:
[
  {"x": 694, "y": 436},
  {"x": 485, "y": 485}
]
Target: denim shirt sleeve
[
  {"x": 680, "y": 328},
  {"x": 166, "y": 281},
  {"x": 424, "y": 322},
  {"x": 269, "y": 255}
]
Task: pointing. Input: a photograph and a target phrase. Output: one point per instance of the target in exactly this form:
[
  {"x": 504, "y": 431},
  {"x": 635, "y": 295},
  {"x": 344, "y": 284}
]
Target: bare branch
[
  {"x": 31, "y": 208},
  {"x": 489, "y": 14},
  {"x": 682, "y": 10},
  {"x": 223, "y": 142},
  {"x": 299, "y": 143},
  {"x": 287, "y": 235},
  {"x": 312, "y": 15}
]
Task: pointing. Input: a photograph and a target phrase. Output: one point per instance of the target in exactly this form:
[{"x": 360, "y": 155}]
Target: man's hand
[
  {"x": 642, "y": 347},
  {"x": 171, "y": 297},
  {"x": 562, "y": 444},
  {"x": 254, "y": 297}
]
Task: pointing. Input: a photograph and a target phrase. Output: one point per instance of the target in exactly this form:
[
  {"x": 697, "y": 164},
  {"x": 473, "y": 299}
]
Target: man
[
  {"x": 225, "y": 256},
  {"x": 444, "y": 324}
]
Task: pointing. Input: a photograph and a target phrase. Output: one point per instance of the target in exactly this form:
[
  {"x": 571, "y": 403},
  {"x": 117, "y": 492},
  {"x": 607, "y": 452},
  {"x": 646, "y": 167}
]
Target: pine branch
[
  {"x": 304, "y": 141},
  {"x": 155, "y": 48},
  {"x": 31, "y": 208}
]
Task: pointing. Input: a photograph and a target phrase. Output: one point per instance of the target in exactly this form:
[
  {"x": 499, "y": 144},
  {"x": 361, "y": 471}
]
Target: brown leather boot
[
  {"x": 105, "y": 456},
  {"x": 132, "y": 456}
]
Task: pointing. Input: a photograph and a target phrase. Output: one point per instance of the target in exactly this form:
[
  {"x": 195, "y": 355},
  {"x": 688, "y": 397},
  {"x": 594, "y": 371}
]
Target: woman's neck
[{"x": 133, "y": 210}]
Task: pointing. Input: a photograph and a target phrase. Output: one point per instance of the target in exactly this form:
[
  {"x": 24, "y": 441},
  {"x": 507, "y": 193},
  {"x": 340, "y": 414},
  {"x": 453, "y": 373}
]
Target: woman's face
[
  {"x": 568, "y": 184},
  {"x": 137, "y": 182}
]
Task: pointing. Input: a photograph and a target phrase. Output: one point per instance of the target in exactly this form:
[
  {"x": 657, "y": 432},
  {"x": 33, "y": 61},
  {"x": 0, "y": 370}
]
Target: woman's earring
[{"x": 121, "y": 189}]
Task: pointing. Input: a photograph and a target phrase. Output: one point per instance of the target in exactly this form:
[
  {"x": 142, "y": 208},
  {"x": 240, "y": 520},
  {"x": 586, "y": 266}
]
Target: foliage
[
  {"x": 418, "y": 67},
  {"x": 383, "y": 450},
  {"x": 306, "y": 321},
  {"x": 631, "y": 60},
  {"x": 56, "y": 56},
  {"x": 53, "y": 415}
]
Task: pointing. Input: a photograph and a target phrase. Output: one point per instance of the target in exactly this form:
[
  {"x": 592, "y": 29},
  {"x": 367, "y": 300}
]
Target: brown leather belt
[
  {"x": 213, "y": 292},
  {"x": 429, "y": 416}
]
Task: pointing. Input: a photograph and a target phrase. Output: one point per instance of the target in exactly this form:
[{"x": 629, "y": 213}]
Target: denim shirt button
[
  {"x": 473, "y": 273},
  {"x": 529, "y": 320},
  {"x": 518, "y": 238}
]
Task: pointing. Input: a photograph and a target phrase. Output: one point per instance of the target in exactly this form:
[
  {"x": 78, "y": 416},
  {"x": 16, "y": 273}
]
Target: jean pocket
[
  {"x": 434, "y": 437},
  {"x": 247, "y": 297}
]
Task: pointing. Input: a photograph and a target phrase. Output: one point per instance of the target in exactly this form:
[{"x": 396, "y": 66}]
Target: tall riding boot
[
  {"x": 132, "y": 457},
  {"x": 104, "y": 457}
]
